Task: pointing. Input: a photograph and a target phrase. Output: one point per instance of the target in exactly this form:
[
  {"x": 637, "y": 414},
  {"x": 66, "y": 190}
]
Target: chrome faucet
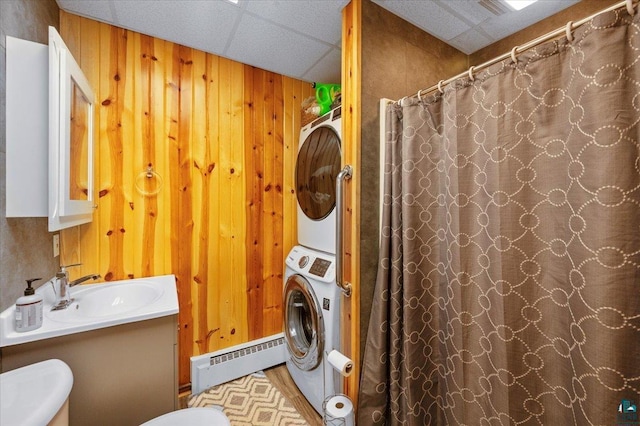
[
  {"x": 62, "y": 287},
  {"x": 83, "y": 279}
]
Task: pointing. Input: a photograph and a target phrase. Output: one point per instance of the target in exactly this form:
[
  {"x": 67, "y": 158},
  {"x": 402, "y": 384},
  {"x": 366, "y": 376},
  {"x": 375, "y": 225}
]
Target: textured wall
[
  {"x": 25, "y": 244},
  {"x": 398, "y": 59},
  {"x": 573, "y": 13}
]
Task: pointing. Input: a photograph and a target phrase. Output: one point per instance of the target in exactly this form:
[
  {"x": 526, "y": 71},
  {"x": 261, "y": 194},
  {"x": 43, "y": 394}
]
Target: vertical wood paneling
[
  {"x": 269, "y": 206},
  {"x": 273, "y": 319},
  {"x": 239, "y": 327},
  {"x": 200, "y": 265},
  {"x": 185, "y": 220},
  {"x": 351, "y": 113},
  {"x": 175, "y": 189},
  {"x": 214, "y": 316},
  {"x": 128, "y": 119},
  {"x": 292, "y": 98},
  {"x": 223, "y": 138},
  {"x": 149, "y": 113},
  {"x": 254, "y": 158},
  {"x": 227, "y": 171},
  {"x": 115, "y": 104},
  {"x": 139, "y": 79},
  {"x": 104, "y": 178},
  {"x": 162, "y": 242}
]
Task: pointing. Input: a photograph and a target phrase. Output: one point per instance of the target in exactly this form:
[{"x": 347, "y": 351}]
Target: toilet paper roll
[
  {"x": 340, "y": 407},
  {"x": 341, "y": 363}
]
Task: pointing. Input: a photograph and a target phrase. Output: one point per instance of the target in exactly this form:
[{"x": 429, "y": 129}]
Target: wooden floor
[{"x": 280, "y": 378}]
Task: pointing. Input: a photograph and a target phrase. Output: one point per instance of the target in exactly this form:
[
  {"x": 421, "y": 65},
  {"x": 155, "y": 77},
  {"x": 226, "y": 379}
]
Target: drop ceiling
[{"x": 302, "y": 38}]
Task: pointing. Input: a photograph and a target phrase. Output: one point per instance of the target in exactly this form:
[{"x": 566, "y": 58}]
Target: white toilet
[
  {"x": 37, "y": 394},
  {"x": 191, "y": 417}
]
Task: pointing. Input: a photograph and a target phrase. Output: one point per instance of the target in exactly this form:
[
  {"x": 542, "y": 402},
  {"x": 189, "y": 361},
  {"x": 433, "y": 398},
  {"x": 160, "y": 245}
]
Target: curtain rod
[{"x": 519, "y": 49}]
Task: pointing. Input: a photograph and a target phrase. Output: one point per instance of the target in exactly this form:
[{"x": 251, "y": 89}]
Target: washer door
[
  {"x": 303, "y": 324},
  {"x": 317, "y": 167}
]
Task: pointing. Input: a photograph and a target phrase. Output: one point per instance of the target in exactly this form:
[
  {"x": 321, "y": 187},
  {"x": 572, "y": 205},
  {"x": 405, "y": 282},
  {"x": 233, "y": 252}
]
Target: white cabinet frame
[{"x": 64, "y": 75}]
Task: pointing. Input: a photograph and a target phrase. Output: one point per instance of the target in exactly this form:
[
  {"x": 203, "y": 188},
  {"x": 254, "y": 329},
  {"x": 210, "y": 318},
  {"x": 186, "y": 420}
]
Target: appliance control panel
[{"x": 317, "y": 265}]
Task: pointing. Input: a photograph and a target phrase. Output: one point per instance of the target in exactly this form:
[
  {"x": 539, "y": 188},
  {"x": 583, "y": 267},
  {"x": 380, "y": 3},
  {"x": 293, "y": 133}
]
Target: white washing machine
[
  {"x": 317, "y": 166},
  {"x": 312, "y": 323}
]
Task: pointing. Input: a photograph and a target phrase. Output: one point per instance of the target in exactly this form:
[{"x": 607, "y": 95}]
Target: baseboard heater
[{"x": 227, "y": 364}]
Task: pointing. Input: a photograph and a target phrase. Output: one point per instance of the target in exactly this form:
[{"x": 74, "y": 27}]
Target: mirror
[
  {"x": 71, "y": 139},
  {"x": 78, "y": 144}
]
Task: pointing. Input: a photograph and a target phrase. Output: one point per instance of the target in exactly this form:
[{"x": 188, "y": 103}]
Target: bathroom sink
[
  {"x": 97, "y": 306},
  {"x": 116, "y": 300},
  {"x": 105, "y": 300},
  {"x": 34, "y": 394}
]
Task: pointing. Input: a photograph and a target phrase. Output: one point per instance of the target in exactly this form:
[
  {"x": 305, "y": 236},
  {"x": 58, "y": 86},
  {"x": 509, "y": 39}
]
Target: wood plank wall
[
  {"x": 221, "y": 138},
  {"x": 352, "y": 115}
]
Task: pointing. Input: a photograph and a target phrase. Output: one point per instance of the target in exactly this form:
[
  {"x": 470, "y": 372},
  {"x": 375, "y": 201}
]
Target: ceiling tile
[
  {"x": 470, "y": 41},
  {"x": 470, "y": 11},
  {"x": 318, "y": 19},
  {"x": 274, "y": 48},
  {"x": 99, "y": 9},
  {"x": 301, "y": 38},
  {"x": 442, "y": 23},
  {"x": 327, "y": 69},
  {"x": 501, "y": 26},
  {"x": 202, "y": 24}
]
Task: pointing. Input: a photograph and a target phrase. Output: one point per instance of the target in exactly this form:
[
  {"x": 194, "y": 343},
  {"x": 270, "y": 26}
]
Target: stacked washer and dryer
[{"x": 311, "y": 295}]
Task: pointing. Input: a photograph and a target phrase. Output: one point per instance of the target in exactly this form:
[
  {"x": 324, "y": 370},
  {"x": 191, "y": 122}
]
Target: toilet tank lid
[
  {"x": 192, "y": 417},
  {"x": 33, "y": 394}
]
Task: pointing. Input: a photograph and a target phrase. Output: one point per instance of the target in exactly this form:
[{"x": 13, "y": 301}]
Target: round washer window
[
  {"x": 300, "y": 322},
  {"x": 303, "y": 323},
  {"x": 317, "y": 167}
]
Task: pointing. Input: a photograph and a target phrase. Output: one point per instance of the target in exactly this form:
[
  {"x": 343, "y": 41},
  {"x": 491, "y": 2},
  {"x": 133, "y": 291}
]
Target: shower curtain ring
[
  {"x": 419, "y": 95},
  {"x": 513, "y": 54},
  {"x": 440, "y": 86},
  {"x": 471, "y": 77},
  {"x": 568, "y": 30},
  {"x": 630, "y": 7}
]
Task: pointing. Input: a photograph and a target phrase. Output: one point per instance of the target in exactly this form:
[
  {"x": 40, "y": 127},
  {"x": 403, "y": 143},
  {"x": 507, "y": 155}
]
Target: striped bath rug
[{"x": 250, "y": 401}]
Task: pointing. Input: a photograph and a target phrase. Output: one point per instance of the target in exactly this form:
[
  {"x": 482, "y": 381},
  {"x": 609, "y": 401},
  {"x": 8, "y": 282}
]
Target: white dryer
[
  {"x": 312, "y": 323},
  {"x": 317, "y": 166}
]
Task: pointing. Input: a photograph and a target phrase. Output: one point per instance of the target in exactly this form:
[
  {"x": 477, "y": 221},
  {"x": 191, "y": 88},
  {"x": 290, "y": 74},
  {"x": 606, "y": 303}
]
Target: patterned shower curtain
[{"x": 508, "y": 290}]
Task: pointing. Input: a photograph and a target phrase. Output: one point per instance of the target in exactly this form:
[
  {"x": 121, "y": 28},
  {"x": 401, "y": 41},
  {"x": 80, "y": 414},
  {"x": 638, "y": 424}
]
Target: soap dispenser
[{"x": 28, "y": 314}]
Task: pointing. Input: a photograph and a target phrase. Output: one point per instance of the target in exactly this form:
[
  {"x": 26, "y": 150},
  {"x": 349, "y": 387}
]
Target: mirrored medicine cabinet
[
  {"x": 71, "y": 131},
  {"x": 50, "y": 134}
]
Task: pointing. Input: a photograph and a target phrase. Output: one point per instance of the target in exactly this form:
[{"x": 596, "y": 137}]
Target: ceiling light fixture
[
  {"x": 236, "y": 1},
  {"x": 519, "y": 4}
]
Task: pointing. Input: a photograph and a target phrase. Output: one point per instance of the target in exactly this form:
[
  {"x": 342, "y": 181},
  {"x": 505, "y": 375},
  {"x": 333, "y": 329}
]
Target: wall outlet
[{"x": 56, "y": 245}]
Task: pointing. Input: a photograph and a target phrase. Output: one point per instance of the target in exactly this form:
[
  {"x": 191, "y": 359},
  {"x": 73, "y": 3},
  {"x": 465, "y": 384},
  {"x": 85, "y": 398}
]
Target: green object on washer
[{"x": 325, "y": 95}]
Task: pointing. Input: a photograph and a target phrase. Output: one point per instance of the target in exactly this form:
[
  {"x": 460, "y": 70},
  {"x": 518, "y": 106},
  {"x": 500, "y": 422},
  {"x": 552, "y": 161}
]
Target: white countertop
[{"x": 58, "y": 323}]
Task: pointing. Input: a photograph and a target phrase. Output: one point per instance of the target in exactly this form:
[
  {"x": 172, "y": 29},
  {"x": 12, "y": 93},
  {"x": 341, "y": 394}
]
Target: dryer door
[
  {"x": 303, "y": 324},
  {"x": 317, "y": 167}
]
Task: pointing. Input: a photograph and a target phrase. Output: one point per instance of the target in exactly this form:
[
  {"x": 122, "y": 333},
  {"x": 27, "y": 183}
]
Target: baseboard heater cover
[{"x": 227, "y": 364}]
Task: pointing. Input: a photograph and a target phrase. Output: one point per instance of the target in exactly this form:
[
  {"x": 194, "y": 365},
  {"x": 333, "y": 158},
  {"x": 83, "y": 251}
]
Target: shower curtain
[{"x": 508, "y": 290}]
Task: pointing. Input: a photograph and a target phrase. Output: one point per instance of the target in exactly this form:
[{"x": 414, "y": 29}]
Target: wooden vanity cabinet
[{"x": 122, "y": 375}]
